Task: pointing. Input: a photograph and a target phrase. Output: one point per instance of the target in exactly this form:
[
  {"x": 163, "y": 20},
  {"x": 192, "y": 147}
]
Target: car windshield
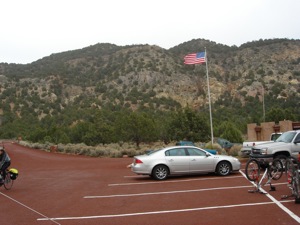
[{"x": 286, "y": 137}]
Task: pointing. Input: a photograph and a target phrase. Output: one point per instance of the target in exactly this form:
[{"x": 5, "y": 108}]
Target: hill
[{"x": 150, "y": 78}]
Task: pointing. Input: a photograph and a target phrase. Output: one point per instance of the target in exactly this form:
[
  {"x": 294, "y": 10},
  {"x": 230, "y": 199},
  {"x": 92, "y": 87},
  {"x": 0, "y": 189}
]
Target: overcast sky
[{"x": 33, "y": 29}]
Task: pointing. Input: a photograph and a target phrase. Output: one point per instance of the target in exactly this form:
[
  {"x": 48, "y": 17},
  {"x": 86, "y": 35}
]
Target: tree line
[{"x": 93, "y": 126}]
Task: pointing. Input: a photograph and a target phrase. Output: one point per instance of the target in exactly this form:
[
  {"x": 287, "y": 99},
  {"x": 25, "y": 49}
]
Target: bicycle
[
  {"x": 8, "y": 180},
  {"x": 292, "y": 173},
  {"x": 273, "y": 171}
]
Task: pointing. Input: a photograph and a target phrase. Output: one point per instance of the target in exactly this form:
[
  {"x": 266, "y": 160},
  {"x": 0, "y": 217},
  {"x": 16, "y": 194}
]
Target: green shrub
[
  {"x": 235, "y": 150},
  {"x": 214, "y": 146}
]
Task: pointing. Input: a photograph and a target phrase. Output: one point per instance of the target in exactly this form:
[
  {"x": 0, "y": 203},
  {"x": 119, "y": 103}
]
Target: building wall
[{"x": 263, "y": 131}]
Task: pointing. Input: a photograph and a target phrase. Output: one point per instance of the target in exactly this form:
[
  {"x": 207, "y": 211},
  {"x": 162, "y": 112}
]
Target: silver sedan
[{"x": 179, "y": 160}]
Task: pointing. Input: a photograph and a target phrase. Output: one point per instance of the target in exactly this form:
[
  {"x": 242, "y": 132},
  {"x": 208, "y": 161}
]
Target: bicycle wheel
[
  {"x": 289, "y": 170},
  {"x": 293, "y": 179},
  {"x": 276, "y": 169},
  {"x": 252, "y": 170},
  {"x": 296, "y": 184},
  {"x": 8, "y": 182}
]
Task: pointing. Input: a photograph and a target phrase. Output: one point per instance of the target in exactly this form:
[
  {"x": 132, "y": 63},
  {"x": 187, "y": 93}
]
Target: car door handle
[
  {"x": 193, "y": 160},
  {"x": 171, "y": 160}
]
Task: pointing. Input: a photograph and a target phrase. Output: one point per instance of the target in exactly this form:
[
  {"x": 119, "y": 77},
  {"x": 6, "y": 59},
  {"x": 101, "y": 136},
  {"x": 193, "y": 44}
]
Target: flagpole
[
  {"x": 199, "y": 58},
  {"x": 209, "y": 101}
]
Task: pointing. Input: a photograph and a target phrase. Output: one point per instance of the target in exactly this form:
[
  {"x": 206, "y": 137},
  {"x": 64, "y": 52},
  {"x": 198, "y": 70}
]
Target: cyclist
[{"x": 4, "y": 164}]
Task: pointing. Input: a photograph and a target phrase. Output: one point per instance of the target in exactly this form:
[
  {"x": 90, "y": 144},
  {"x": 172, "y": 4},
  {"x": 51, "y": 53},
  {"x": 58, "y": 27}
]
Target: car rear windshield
[{"x": 150, "y": 152}]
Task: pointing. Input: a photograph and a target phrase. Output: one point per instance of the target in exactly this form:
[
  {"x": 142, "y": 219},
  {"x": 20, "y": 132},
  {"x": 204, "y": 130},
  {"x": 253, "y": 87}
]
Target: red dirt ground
[{"x": 54, "y": 188}]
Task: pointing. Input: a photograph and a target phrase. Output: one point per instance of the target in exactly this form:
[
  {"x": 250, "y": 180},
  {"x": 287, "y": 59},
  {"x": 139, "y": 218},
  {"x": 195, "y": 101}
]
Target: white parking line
[
  {"x": 278, "y": 203},
  {"x": 158, "y": 212},
  {"x": 169, "y": 192},
  {"x": 273, "y": 201},
  {"x": 173, "y": 181},
  {"x": 25, "y": 206}
]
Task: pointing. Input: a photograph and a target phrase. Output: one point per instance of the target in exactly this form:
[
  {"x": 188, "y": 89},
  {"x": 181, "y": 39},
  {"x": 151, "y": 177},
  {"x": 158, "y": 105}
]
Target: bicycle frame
[
  {"x": 259, "y": 184},
  {"x": 273, "y": 171}
]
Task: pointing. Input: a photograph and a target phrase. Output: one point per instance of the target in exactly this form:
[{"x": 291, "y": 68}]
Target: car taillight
[{"x": 137, "y": 161}]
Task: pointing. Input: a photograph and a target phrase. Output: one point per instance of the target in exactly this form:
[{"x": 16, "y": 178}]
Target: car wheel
[
  {"x": 160, "y": 172},
  {"x": 223, "y": 168}
]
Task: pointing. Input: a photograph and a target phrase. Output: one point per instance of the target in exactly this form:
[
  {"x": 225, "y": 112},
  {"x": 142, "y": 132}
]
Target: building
[{"x": 263, "y": 131}]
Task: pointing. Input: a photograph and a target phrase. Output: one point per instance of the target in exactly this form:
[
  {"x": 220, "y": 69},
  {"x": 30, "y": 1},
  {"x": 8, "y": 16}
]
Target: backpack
[{"x": 13, "y": 173}]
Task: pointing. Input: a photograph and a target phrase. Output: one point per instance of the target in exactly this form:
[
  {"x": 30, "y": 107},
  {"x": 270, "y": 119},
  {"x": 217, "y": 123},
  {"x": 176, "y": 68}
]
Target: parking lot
[{"x": 53, "y": 188}]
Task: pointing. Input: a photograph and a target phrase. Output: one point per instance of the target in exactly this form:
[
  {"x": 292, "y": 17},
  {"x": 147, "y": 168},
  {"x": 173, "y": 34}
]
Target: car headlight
[{"x": 263, "y": 151}]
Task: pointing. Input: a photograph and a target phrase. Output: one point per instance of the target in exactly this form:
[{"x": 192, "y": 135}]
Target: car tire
[
  {"x": 223, "y": 168},
  {"x": 160, "y": 172}
]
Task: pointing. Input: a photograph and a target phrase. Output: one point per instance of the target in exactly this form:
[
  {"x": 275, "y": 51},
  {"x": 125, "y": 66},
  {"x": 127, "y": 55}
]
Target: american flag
[{"x": 195, "y": 58}]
